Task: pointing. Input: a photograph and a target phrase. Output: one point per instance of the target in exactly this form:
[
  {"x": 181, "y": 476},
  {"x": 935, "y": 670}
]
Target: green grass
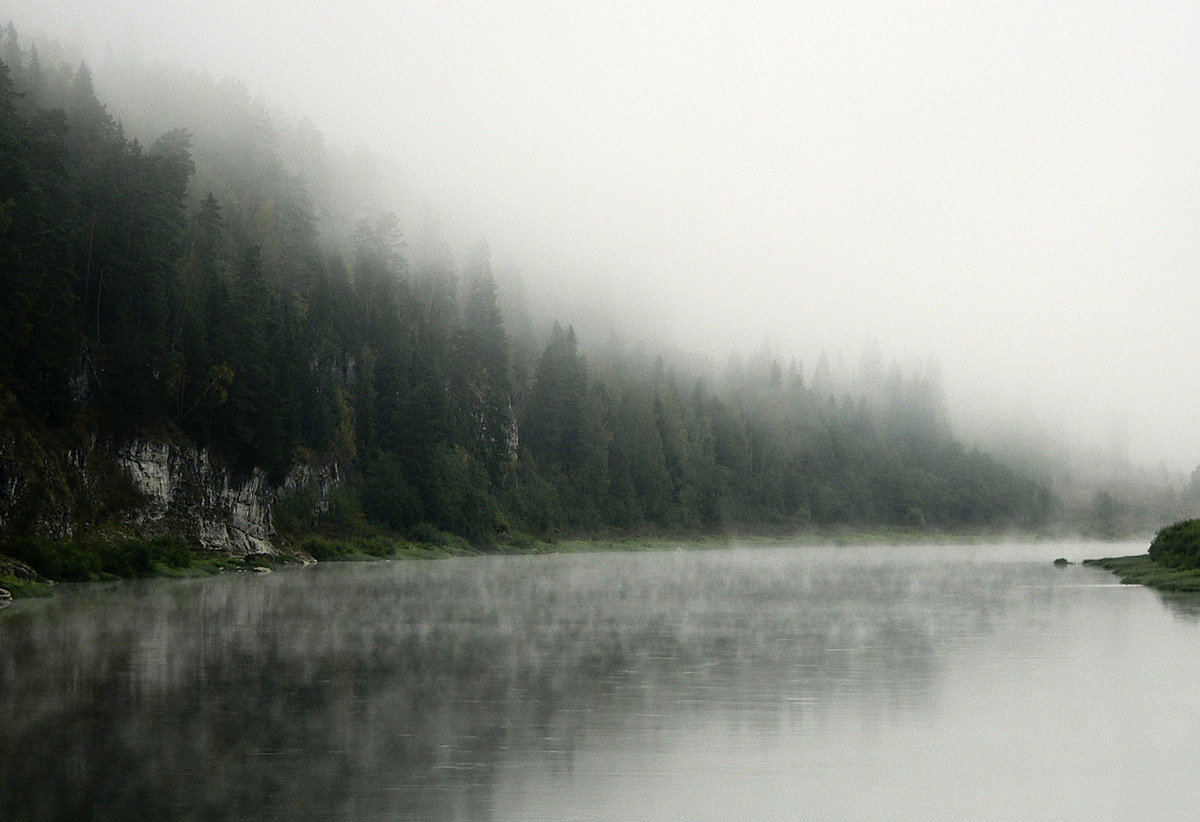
[
  {"x": 108, "y": 556},
  {"x": 1142, "y": 570},
  {"x": 369, "y": 549},
  {"x": 95, "y": 559},
  {"x": 113, "y": 557},
  {"x": 23, "y": 588}
]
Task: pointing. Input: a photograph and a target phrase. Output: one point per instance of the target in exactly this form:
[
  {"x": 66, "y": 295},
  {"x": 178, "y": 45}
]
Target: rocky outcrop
[
  {"x": 181, "y": 485},
  {"x": 321, "y": 478},
  {"x": 15, "y": 568},
  {"x": 62, "y": 490}
]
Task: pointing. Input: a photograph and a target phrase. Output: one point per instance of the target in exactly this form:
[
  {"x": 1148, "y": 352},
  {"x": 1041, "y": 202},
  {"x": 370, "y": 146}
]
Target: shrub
[
  {"x": 328, "y": 550},
  {"x": 388, "y": 498},
  {"x": 296, "y": 512},
  {"x": 1178, "y": 545},
  {"x": 84, "y": 561},
  {"x": 24, "y": 588},
  {"x": 345, "y": 508},
  {"x": 380, "y": 547},
  {"x": 54, "y": 559},
  {"x": 355, "y": 550},
  {"x": 425, "y": 533}
]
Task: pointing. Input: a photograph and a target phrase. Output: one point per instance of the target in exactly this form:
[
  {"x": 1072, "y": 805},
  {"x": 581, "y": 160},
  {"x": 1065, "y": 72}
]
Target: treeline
[{"x": 182, "y": 290}]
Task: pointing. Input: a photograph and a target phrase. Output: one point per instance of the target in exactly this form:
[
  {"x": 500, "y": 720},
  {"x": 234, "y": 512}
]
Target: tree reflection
[{"x": 407, "y": 690}]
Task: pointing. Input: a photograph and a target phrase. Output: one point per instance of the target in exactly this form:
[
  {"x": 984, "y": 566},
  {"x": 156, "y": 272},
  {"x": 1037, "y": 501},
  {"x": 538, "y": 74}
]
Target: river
[{"x": 748, "y": 683}]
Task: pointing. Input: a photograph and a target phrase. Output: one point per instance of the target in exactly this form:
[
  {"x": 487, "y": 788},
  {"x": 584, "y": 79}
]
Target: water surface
[{"x": 930, "y": 682}]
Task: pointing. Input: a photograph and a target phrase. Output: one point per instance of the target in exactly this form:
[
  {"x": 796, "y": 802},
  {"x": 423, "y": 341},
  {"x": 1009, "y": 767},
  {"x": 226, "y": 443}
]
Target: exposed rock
[
  {"x": 5, "y": 598},
  {"x": 322, "y": 478},
  {"x": 229, "y": 512},
  {"x": 15, "y": 568},
  {"x": 58, "y": 489}
]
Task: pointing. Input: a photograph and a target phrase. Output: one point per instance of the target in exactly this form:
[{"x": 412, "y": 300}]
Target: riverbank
[
  {"x": 1142, "y": 570},
  {"x": 40, "y": 564}
]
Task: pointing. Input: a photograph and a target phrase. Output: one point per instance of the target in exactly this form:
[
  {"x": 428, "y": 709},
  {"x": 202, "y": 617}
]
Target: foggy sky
[{"x": 1011, "y": 187}]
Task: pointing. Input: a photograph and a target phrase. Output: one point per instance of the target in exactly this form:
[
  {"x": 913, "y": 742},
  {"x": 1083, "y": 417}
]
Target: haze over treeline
[
  {"x": 239, "y": 279},
  {"x": 1010, "y": 188}
]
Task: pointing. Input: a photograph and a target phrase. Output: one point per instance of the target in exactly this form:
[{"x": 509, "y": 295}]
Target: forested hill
[{"x": 181, "y": 290}]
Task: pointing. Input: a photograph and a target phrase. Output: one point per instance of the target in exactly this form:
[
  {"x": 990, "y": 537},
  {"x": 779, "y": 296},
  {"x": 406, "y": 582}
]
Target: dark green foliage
[
  {"x": 426, "y": 534},
  {"x": 433, "y": 543},
  {"x": 53, "y": 559},
  {"x": 388, "y": 498},
  {"x": 345, "y": 509},
  {"x": 296, "y": 513},
  {"x": 145, "y": 292},
  {"x": 456, "y": 498},
  {"x": 1178, "y": 545},
  {"x": 331, "y": 550},
  {"x": 554, "y": 419},
  {"x": 139, "y": 558},
  {"x": 1143, "y": 570},
  {"x": 84, "y": 561},
  {"x": 38, "y": 210},
  {"x": 24, "y": 588},
  {"x": 483, "y": 389}
]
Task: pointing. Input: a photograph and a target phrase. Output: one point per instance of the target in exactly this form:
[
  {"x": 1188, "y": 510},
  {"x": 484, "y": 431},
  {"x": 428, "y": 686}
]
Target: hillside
[{"x": 180, "y": 299}]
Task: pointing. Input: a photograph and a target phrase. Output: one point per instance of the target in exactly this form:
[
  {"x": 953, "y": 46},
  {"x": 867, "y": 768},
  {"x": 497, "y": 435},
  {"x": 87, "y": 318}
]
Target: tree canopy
[{"x": 144, "y": 292}]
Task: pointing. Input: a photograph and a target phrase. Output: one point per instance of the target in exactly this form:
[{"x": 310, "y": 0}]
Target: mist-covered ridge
[{"x": 236, "y": 283}]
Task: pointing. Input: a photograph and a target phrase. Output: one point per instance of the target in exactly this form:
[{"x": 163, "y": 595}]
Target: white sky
[{"x": 1013, "y": 187}]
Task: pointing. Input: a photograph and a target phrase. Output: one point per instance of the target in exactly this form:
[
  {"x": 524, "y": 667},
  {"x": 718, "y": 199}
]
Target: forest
[{"x": 205, "y": 287}]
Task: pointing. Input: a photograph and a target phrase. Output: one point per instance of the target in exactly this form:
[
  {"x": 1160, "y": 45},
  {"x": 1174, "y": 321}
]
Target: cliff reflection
[{"x": 405, "y": 691}]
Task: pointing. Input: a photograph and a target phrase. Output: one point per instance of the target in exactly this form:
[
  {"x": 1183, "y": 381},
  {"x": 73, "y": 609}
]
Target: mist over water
[{"x": 922, "y": 682}]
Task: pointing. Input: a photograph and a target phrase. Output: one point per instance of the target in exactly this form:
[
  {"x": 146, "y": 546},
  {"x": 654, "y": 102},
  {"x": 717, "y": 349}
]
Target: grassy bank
[
  {"x": 99, "y": 558},
  {"x": 1142, "y": 570},
  {"x": 24, "y": 588},
  {"x": 30, "y": 566}
]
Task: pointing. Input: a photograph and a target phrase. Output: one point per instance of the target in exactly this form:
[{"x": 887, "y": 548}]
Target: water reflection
[
  {"x": 1184, "y": 605},
  {"x": 411, "y": 691}
]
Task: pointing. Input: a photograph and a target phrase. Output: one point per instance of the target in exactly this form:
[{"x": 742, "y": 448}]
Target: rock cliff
[
  {"x": 146, "y": 487},
  {"x": 182, "y": 486}
]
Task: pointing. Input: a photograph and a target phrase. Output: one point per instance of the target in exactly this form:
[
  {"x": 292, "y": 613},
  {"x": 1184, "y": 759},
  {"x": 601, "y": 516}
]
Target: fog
[{"x": 1010, "y": 188}]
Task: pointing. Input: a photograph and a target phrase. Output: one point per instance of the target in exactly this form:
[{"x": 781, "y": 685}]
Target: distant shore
[{"x": 65, "y": 561}]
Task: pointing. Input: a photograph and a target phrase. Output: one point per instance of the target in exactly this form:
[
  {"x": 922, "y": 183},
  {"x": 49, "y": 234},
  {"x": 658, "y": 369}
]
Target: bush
[
  {"x": 456, "y": 500},
  {"x": 329, "y": 550},
  {"x": 296, "y": 513},
  {"x": 52, "y": 559},
  {"x": 1178, "y": 545},
  {"x": 427, "y": 534},
  {"x": 388, "y": 499},
  {"x": 87, "y": 561},
  {"x": 345, "y": 509},
  {"x": 23, "y": 588},
  {"x": 380, "y": 547}
]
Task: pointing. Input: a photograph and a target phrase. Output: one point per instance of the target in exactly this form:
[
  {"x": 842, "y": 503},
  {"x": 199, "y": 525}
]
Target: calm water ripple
[{"x": 753, "y": 683}]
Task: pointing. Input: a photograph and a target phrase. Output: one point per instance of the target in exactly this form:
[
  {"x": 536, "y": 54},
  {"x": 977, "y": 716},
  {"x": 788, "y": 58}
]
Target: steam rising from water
[{"x": 439, "y": 691}]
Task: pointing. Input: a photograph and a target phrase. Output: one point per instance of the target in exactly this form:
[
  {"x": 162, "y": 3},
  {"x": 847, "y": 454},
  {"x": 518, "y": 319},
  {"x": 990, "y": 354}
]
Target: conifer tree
[
  {"x": 554, "y": 420},
  {"x": 485, "y": 387}
]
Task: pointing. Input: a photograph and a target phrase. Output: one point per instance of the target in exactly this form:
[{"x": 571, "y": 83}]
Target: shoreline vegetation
[
  {"x": 31, "y": 567},
  {"x": 1171, "y": 564},
  {"x": 1143, "y": 570}
]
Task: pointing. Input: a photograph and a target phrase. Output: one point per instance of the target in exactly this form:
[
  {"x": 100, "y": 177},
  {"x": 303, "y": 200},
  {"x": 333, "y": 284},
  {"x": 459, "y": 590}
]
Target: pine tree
[
  {"x": 485, "y": 385},
  {"x": 554, "y": 420}
]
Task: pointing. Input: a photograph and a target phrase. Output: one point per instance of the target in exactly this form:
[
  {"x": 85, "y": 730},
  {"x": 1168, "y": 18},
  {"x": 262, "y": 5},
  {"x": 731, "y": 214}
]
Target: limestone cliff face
[
  {"x": 146, "y": 487},
  {"x": 322, "y": 478},
  {"x": 182, "y": 486}
]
